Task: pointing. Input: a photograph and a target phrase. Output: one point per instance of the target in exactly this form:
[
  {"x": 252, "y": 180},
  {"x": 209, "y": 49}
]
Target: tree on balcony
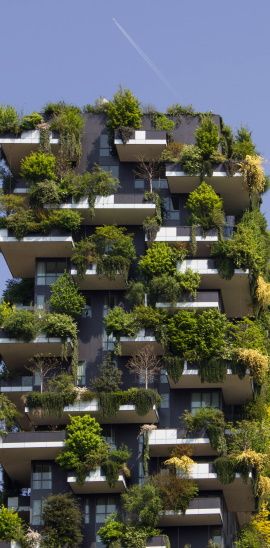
[
  {"x": 145, "y": 365},
  {"x": 65, "y": 297},
  {"x": 62, "y": 522}
]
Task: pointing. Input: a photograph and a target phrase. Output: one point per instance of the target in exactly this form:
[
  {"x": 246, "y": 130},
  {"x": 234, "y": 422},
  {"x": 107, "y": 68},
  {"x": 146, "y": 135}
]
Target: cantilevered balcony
[
  {"x": 127, "y": 414},
  {"x": 238, "y": 494},
  {"x": 235, "y": 292},
  {"x": 96, "y": 482},
  {"x": 18, "y": 449},
  {"x": 16, "y": 148},
  {"x": 93, "y": 280},
  {"x": 21, "y": 255},
  {"x": 201, "y": 511},
  {"x": 235, "y": 391},
  {"x": 182, "y": 234},
  {"x": 147, "y": 144},
  {"x": 231, "y": 188},
  {"x": 203, "y": 300},
  {"x": 16, "y": 353},
  {"x": 162, "y": 441},
  {"x": 117, "y": 209},
  {"x": 157, "y": 542},
  {"x": 132, "y": 345}
]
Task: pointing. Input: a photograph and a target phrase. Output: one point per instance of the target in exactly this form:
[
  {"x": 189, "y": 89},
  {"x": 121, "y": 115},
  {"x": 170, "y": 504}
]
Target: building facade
[{"x": 28, "y": 452}]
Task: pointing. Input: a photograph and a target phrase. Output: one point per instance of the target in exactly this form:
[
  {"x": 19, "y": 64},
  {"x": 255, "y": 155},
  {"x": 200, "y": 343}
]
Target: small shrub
[
  {"x": 172, "y": 153},
  {"x": 163, "y": 123},
  {"x": 38, "y": 166},
  {"x": 175, "y": 492},
  {"x": 10, "y": 203},
  {"x": 243, "y": 145},
  {"x": 65, "y": 297},
  {"x": 44, "y": 193},
  {"x": 9, "y": 119},
  {"x": 62, "y": 522},
  {"x": 174, "y": 366},
  {"x": 8, "y": 412},
  {"x": 160, "y": 259},
  {"x": 205, "y": 207},
  {"x": 21, "y": 223},
  {"x": 124, "y": 110},
  {"x": 62, "y": 219},
  {"x": 19, "y": 291},
  {"x": 31, "y": 121},
  {"x": 143, "y": 504},
  {"x": 207, "y": 136},
  {"x": 136, "y": 293},
  {"x": 256, "y": 362},
  {"x": 109, "y": 377},
  {"x": 253, "y": 173},
  {"x": 262, "y": 293},
  {"x": 22, "y": 325},
  {"x": 11, "y": 525},
  {"x": 120, "y": 323},
  {"x": 59, "y": 325},
  {"x": 191, "y": 160},
  {"x": 212, "y": 421}
]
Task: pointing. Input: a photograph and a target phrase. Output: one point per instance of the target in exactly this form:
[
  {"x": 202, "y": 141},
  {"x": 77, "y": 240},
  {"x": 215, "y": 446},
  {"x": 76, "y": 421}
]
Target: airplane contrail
[{"x": 147, "y": 59}]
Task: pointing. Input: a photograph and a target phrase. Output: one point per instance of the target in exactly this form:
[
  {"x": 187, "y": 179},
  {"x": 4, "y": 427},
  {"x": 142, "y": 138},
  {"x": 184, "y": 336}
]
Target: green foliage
[
  {"x": 163, "y": 123},
  {"x": 243, "y": 144},
  {"x": 111, "y": 530},
  {"x": 172, "y": 289},
  {"x": 115, "y": 250},
  {"x": 59, "y": 325},
  {"x": 85, "y": 448},
  {"x": 205, "y": 207},
  {"x": 143, "y": 399},
  {"x": 65, "y": 297},
  {"x": 62, "y": 522},
  {"x": 38, "y": 166},
  {"x": 143, "y": 504},
  {"x": 212, "y": 421},
  {"x": 197, "y": 336},
  {"x": 11, "y": 203},
  {"x": 191, "y": 160},
  {"x": 115, "y": 464},
  {"x": 50, "y": 403},
  {"x": 225, "y": 468},
  {"x": 83, "y": 255},
  {"x": 172, "y": 153},
  {"x": 11, "y": 525},
  {"x": 69, "y": 123},
  {"x": 249, "y": 246},
  {"x": 22, "y": 325},
  {"x": 21, "y": 223},
  {"x": 160, "y": 259},
  {"x": 64, "y": 219},
  {"x": 175, "y": 492},
  {"x": 249, "y": 538},
  {"x": 207, "y": 136},
  {"x": 9, "y": 119},
  {"x": 147, "y": 317},
  {"x": 120, "y": 323},
  {"x": 44, "y": 193},
  {"x": 8, "y": 412},
  {"x": 213, "y": 370},
  {"x": 124, "y": 110},
  {"x": 174, "y": 366},
  {"x": 19, "y": 291},
  {"x": 136, "y": 293},
  {"x": 31, "y": 121},
  {"x": 180, "y": 110},
  {"x": 109, "y": 377},
  {"x": 128, "y": 536}
]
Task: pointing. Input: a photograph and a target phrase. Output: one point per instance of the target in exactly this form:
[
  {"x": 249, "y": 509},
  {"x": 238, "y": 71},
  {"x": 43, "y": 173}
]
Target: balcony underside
[
  {"x": 16, "y": 457},
  {"x": 94, "y": 281},
  {"x": 134, "y": 149},
  {"x": 238, "y": 495},
  {"x": 235, "y": 293},
  {"x": 231, "y": 189},
  {"x": 95, "y": 483},
  {"x": 192, "y": 517},
  {"x": 114, "y": 214},
  {"x": 17, "y": 353},
  {"x": 21, "y": 255},
  {"x": 127, "y": 414},
  {"x": 130, "y": 346},
  {"x": 162, "y": 448},
  {"x": 235, "y": 391},
  {"x": 16, "y": 148},
  {"x": 203, "y": 300}
]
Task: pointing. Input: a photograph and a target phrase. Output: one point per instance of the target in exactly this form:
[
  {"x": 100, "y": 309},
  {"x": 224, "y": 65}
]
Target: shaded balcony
[
  {"x": 95, "y": 281},
  {"x": 15, "y": 148},
  {"x": 201, "y": 511},
  {"x": 132, "y": 345},
  {"x": 146, "y": 144},
  {"x": 96, "y": 482},
  {"x": 202, "y": 301},
  {"x": 163, "y": 440},
  {"x": 182, "y": 234},
  {"x": 16, "y": 353}
]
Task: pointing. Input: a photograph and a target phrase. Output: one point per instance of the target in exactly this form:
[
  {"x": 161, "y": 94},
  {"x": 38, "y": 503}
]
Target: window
[
  {"x": 87, "y": 311},
  {"x": 172, "y": 207},
  {"x": 165, "y": 401},
  {"x": 204, "y": 399},
  {"x": 139, "y": 184},
  {"x": 104, "y": 507},
  {"x": 163, "y": 377},
  {"x": 109, "y": 436},
  {"x": 48, "y": 271},
  {"x": 113, "y": 169},
  {"x": 86, "y": 512},
  {"x": 111, "y": 300},
  {"x": 160, "y": 184},
  {"x": 104, "y": 147},
  {"x": 42, "y": 476},
  {"x": 37, "y": 509},
  {"x": 81, "y": 374},
  {"x": 40, "y": 302}
]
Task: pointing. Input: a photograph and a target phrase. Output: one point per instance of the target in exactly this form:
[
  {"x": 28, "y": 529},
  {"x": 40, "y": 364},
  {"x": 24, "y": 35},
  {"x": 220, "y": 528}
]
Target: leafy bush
[
  {"x": 207, "y": 136},
  {"x": 44, "y": 193},
  {"x": 225, "y": 468},
  {"x": 50, "y": 403},
  {"x": 205, "y": 207},
  {"x": 147, "y": 317},
  {"x": 31, "y": 121},
  {"x": 128, "y": 536},
  {"x": 124, "y": 110},
  {"x": 68, "y": 122},
  {"x": 11, "y": 203},
  {"x": 22, "y": 325},
  {"x": 175, "y": 492},
  {"x": 136, "y": 293},
  {"x": 19, "y": 291},
  {"x": 115, "y": 250},
  {"x": 263, "y": 293},
  {"x": 9, "y": 119},
  {"x": 160, "y": 259},
  {"x": 59, "y": 325},
  {"x": 38, "y": 166},
  {"x": 8, "y": 413},
  {"x": 83, "y": 255},
  {"x": 174, "y": 366},
  {"x": 191, "y": 160},
  {"x": 243, "y": 145},
  {"x": 62, "y": 522},
  {"x": 109, "y": 377},
  {"x": 85, "y": 448},
  {"x": 163, "y": 123},
  {"x": 253, "y": 173},
  {"x": 120, "y": 323},
  {"x": 143, "y": 504},
  {"x": 116, "y": 463},
  {"x": 65, "y": 297},
  {"x": 11, "y": 525},
  {"x": 256, "y": 362},
  {"x": 64, "y": 219},
  {"x": 212, "y": 421},
  {"x": 21, "y": 223},
  {"x": 172, "y": 153}
]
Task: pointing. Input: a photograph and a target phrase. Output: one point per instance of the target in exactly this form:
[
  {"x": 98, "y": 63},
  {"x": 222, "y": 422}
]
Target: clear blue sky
[{"x": 215, "y": 54}]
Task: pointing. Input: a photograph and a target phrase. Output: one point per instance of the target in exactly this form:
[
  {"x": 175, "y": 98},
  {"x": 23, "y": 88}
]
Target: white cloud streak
[{"x": 146, "y": 59}]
